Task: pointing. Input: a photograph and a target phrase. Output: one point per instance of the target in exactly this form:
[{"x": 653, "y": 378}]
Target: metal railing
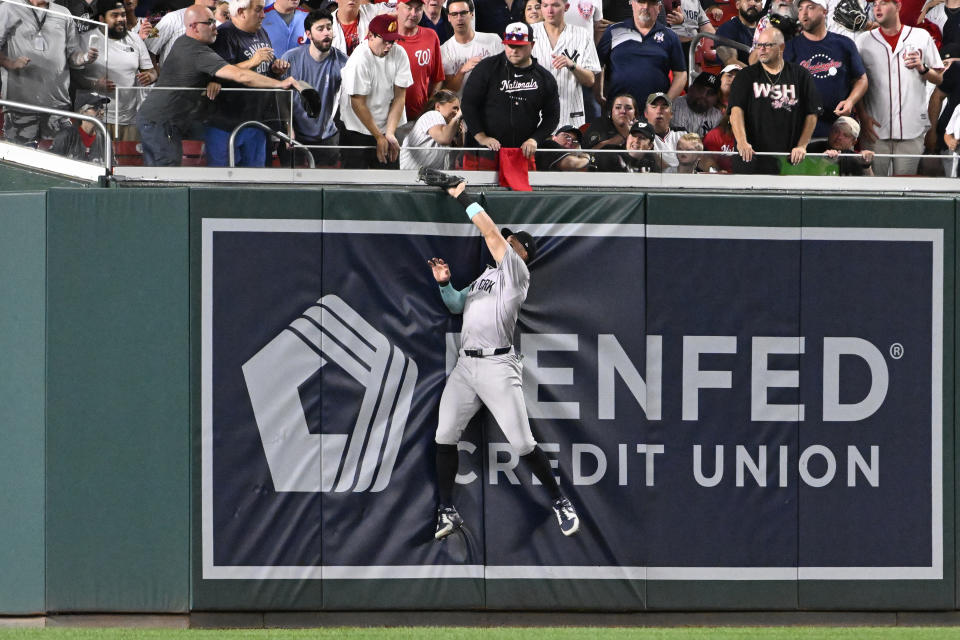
[
  {"x": 282, "y": 137},
  {"x": 718, "y": 41},
  {"x": 102, "y": 128}
]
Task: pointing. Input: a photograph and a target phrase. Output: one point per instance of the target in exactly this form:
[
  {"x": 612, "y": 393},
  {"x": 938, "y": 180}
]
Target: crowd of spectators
[{"x": 587, "y": 85}]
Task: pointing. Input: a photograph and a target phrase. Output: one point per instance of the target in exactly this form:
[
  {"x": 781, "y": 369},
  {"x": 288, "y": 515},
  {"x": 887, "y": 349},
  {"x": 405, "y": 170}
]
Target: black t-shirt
[
  {"x": 80, "y": 9},
  {"x": 951, "y": 28},
  {"x": 951, "y": 87},
  {"x": 625, "y": 163},
  {"x": 851, "y": 162},
  {"x": 190, "y": 63},
  {"x": 775, "y": 106},
  {"x": 233, "y": 107},
  {"x": 601, "y": 129},
  {"x": 548, "y": 156}
]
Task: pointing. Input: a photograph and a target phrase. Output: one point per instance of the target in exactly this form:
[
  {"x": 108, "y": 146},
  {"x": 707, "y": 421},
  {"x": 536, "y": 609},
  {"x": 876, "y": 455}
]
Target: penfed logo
[{"x": 363, "y": 460}]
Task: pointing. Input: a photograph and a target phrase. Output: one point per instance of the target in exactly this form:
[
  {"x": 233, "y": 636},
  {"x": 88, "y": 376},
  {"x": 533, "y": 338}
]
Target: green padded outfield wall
[
  {"x": 22, "y": 342},
  {"x": 117, "y": 400},
  {"x": 131, "y": 500}
]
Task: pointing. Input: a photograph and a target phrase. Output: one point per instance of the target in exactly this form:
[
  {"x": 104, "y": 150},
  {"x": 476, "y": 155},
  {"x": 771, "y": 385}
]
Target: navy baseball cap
[
  {"x": 708, "y": 80},
  {"x": 575, "y": 132},
  {"x": 525, "y": 239}
]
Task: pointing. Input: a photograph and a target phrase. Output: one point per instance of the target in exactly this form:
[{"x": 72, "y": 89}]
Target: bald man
[{"x": 165, "y": 115}]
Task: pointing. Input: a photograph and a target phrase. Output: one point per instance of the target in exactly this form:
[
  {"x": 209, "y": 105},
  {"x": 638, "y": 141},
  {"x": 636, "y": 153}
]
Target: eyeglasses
[
  {"x": 209, "y": 22},
  {"x": 457, "y": 14},
  {"x": 766, "y": 45}
]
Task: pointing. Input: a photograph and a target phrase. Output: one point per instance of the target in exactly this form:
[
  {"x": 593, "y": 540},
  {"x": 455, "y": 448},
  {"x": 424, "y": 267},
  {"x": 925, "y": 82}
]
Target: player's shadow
[{"x": 462, "y": 547}]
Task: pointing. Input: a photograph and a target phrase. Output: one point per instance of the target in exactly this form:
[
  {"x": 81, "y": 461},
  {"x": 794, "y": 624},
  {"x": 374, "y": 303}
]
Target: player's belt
[{"x": 484, "y": 353}]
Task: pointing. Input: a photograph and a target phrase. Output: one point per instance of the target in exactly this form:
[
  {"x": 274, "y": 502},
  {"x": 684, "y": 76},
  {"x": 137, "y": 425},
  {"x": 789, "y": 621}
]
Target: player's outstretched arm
[
  {"x": 454, "y": 299},
  {"x": 491, "y": 234}
]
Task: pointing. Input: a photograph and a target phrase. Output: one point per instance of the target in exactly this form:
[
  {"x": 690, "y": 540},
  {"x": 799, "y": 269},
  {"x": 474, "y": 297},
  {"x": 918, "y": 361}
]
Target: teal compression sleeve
[{"x": 455, "y": 300}]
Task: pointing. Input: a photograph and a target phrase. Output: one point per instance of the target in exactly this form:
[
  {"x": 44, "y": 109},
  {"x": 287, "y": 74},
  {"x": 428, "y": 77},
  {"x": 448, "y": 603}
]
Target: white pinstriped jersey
[
  {"x": 169, "y": 28},
  {"x": 577, "y": 44},
  {"x": 455, "y": 55},
  {"x": 896, "y": 96}
]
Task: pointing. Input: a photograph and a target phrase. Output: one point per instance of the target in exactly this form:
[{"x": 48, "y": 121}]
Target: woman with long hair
[
  {"x": 611, "y": 130},
  {"x": 439, "y": 126}
]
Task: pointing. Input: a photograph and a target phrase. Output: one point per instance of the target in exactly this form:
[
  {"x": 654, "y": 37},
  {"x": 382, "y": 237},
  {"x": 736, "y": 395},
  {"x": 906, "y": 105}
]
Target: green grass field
[{"x": 496, "y": 633}]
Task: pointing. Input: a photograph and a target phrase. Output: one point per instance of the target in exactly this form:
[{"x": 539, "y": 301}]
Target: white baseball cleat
[
  {"x": 448, "y": 521},
  {"x": 566, "y": 516}
]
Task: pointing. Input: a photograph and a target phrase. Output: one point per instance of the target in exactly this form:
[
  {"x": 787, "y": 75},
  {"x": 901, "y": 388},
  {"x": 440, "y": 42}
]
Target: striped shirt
[{"x": 577, "y": 44}]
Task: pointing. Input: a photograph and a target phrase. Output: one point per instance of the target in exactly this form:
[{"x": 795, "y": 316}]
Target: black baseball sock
[
  {"x": 540, "y": 466},
  {"x": 447, "y": 461}
]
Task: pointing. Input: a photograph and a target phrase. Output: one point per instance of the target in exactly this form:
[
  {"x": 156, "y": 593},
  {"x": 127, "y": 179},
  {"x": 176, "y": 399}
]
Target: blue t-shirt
[
  {"x": 638, "y": 64},
  {"x": 283, "y": 36},
  {"x": 233, "y": 107},
  {"x": 834, "y": 63},
  {"x": 324, "y": 76},
  {"x": 739, "y": 32}
]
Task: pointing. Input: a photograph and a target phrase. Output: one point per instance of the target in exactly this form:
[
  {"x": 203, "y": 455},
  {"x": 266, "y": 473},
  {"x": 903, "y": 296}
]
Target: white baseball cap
[
  {"x": 731, "y": 67},
  {"x": 822, "y": 3}
]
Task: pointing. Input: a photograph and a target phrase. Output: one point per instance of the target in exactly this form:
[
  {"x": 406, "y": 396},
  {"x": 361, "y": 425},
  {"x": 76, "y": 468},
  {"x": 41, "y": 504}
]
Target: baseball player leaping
[{"x": 488, "y": 372}]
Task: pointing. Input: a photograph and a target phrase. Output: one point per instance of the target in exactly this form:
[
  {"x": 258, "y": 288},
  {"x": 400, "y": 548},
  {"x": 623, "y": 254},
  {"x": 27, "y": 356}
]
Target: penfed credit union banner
[{"x": 721, "y": 403}]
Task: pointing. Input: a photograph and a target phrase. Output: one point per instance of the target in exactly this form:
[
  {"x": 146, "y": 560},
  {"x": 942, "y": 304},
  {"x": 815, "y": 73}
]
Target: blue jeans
[
  {"x": 162, "y": 143},
  {"x": 250, "y": 147}
]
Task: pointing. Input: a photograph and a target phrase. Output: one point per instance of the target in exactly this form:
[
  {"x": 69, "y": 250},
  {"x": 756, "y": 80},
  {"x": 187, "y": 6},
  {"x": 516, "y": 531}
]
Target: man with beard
[
  {"x": 423, "y": 52},
  {"x": 899, "y": 61},
  {"x": 37, "y": 50},
  {"x": 832, "y": 60},
  {"x": 319, "y": 65},
  {"x": 639, "y": 54},
  {"x": 740, "y": 29},
  {"x": 697, "y": 111},
  {"x": 165, "y": 115},
  {"x": 466, "y": 48},
  {"x": 375, "y": 81},
  {"x": 127, "y": 64},
  {"x": 774, "y": 106}
]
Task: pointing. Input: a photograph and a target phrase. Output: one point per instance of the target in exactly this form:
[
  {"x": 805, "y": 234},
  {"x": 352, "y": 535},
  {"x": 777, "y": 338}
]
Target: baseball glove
[
  {"x": 312, "y": 104},
  {"x": 849, "y": 15},
  {"x": 434, "y": 178},
  {"x": 787, "y": 25}
]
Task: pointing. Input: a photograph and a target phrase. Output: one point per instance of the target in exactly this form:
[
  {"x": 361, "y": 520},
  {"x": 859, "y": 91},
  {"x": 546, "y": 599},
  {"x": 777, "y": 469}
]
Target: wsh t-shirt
[{"x": 775, "y": 106}]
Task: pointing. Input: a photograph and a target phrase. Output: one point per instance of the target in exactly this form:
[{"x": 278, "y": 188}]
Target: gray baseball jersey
[{"x": 493, "y": 303}]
